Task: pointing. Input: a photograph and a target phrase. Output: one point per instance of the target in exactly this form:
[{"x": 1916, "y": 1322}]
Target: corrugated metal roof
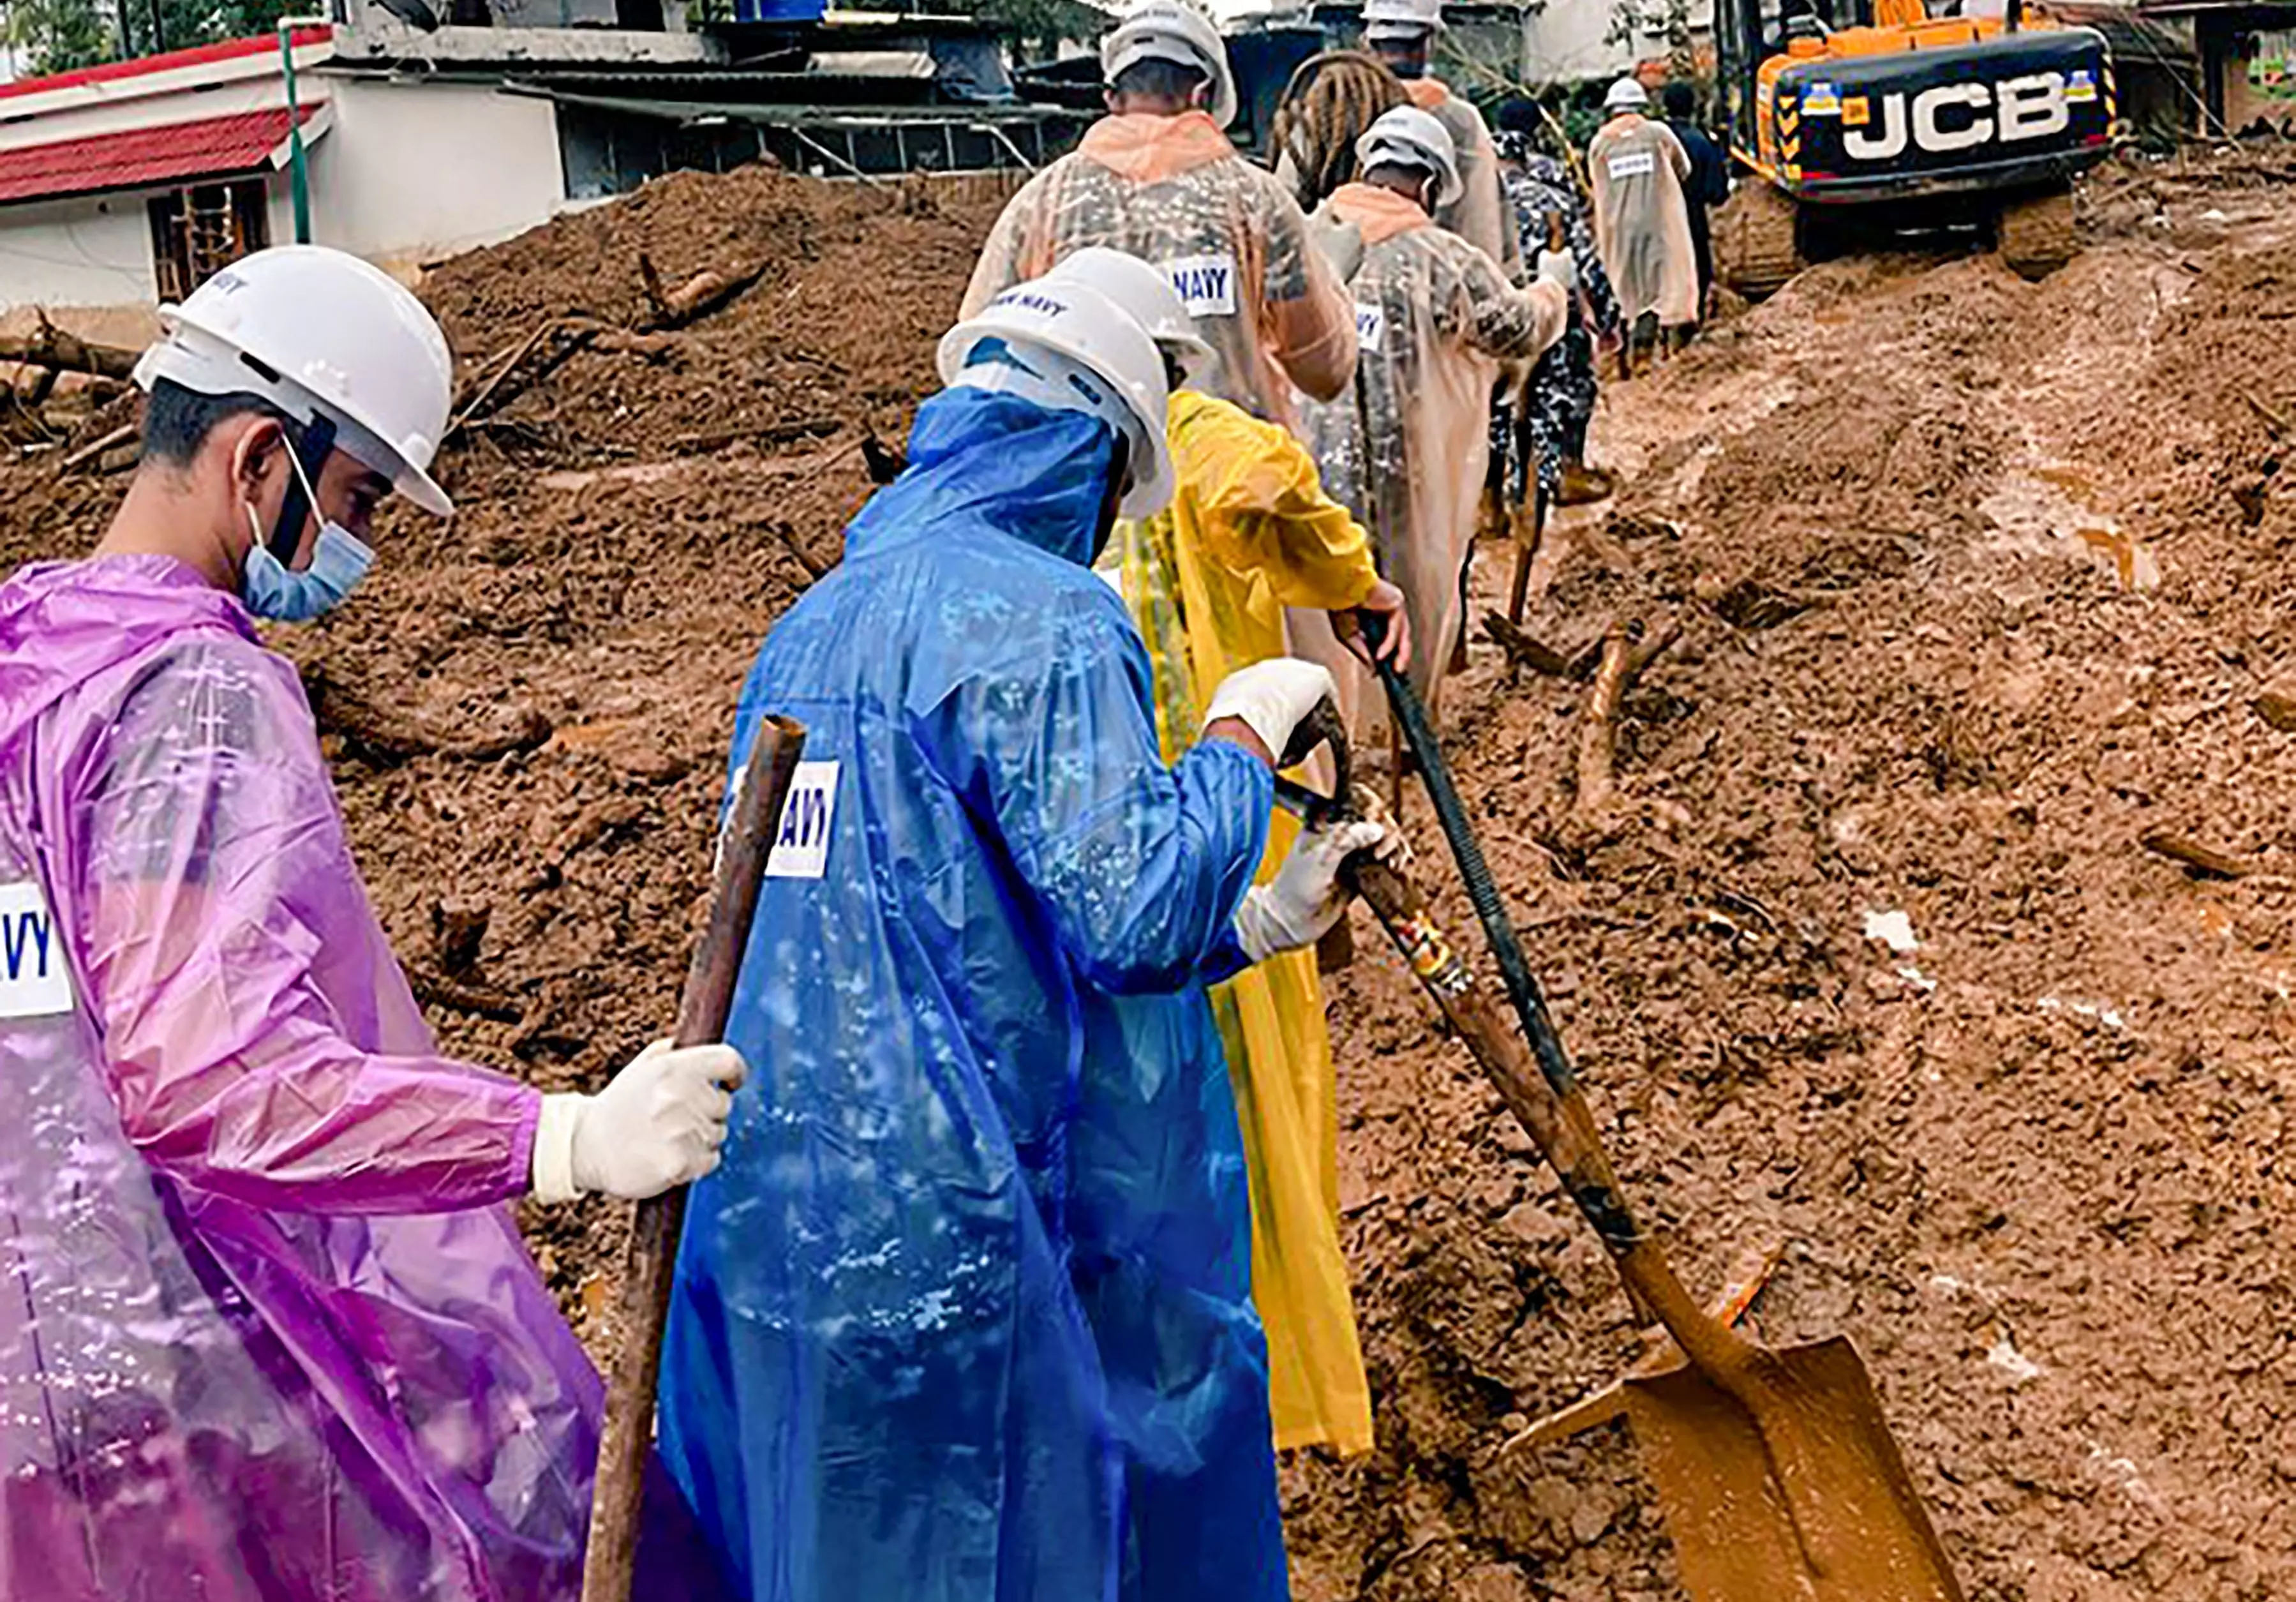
[
  {"x": 903, "y": 70},
  {"x": 780, "y": 113},
  {"x": 139, "y": 158}
]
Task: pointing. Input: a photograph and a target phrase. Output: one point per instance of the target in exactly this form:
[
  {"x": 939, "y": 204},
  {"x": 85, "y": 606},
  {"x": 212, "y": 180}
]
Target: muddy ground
[{"x": 1980, "y": 582}]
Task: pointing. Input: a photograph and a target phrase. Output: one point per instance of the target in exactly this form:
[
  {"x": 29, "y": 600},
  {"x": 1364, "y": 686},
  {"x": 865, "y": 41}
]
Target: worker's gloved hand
[
  {"x": 1341, "y": 243},
  {"x": 1559, "y": 267},
  {"x": 1305, "y": 898},
  {"x": 658, "y": 1124},
  {"x": 1270, "y": 698}
]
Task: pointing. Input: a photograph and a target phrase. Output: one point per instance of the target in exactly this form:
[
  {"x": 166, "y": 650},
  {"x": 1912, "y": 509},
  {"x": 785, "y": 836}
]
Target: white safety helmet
[
  {"x": 1628, "y": 94},
  {"x": 316, "y": 331},
  {"x": 1402, "y": 19},
  {"x": 1067, "y": 346},
  {"x": 1147, "y": 294},
  {"x": 1411, "y": 137},
  {"x": 1172, "y": 31}
]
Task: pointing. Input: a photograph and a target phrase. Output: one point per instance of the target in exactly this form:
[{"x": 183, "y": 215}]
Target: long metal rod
[
  {"x": 827, "y": 154},
  {"x": 997, "y": 134}
]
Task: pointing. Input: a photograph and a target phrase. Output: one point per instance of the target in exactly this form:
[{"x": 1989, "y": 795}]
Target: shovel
[{"x": 1776, "y": 1470}]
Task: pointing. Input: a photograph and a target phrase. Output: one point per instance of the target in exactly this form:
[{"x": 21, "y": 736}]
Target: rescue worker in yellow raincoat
[
  {"x": 1158, "y": 179},
  {"x": 1408, "y": 450},
  {"x": 1401, "y": 33},
  {"x": 1248, "y": 532},
  {"x": 1641, "y": 219}
]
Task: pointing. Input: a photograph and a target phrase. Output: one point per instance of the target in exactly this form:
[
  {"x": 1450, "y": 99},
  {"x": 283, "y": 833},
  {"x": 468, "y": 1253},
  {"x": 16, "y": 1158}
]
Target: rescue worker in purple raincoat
[{"x": 271, "y": 1335}]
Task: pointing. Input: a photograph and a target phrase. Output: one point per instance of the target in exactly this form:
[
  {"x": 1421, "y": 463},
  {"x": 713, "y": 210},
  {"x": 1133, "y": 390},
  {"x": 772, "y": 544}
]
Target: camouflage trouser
[{"x": 1557, "y": 405}]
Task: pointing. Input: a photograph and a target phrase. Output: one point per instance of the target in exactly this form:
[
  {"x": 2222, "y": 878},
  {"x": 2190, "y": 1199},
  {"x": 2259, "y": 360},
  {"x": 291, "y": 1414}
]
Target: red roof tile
[
  {"x": 137, "y": 158},
  {"x": 198, "y": 55}
]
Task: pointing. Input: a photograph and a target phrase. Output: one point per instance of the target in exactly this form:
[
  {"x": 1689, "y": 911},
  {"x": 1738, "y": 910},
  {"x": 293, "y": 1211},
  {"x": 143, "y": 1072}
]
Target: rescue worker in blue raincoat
[{"x": 966, "y": 1316}]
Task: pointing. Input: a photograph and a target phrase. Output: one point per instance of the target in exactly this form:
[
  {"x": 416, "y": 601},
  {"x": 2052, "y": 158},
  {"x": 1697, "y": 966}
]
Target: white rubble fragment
[
  {"x": 1894, "y": 930},
  {"x": 2020, "y": 1369}
]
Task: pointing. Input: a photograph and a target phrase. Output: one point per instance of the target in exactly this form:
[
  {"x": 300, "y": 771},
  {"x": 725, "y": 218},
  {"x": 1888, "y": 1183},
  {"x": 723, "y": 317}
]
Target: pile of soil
[{"x": 1980, "y": 586}]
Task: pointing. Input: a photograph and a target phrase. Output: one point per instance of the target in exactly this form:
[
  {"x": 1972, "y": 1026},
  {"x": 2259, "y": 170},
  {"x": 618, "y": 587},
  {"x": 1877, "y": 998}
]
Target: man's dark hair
[
  {"x": 1518, "y": 116},
  {"x": 1681, "y": 101},
  {"x": 177, "y": 421},
  {"x": 1156, "y": 79}
]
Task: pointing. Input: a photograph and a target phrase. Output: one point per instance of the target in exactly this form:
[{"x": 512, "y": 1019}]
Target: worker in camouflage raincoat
[
  {"x": 1158, "y": 179},
  {"x": 1558, "y": 401},
  {"x": 1435, "y": 317}
]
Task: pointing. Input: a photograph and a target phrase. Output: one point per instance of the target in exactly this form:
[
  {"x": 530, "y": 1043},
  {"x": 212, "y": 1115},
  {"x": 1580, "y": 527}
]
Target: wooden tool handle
[
  {"x": 1562, "y": 1127},
  {"x": 611, "y": 1565}
]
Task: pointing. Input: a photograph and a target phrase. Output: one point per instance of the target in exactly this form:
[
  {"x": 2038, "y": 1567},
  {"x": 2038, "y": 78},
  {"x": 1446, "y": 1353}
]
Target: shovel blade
[{"x": 1825, "y": 1511}]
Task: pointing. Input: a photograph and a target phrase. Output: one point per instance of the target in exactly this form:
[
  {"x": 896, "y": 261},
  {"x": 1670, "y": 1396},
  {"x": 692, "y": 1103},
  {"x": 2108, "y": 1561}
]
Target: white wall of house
[
  {"x": 76, "y": 252},
  {"x": 1571, "y": 40},
  {"x": 416, "y": 171},
  {"x": 402, "y": 171}
]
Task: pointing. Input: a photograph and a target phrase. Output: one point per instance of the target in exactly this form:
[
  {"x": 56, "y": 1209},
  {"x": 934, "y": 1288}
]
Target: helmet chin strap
[{"x": 311, "y": 445}]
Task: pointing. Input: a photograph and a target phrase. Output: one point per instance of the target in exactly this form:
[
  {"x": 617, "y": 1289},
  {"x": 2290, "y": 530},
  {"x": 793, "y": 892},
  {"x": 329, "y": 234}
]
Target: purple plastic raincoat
[{"x": 267, "y": 1333}]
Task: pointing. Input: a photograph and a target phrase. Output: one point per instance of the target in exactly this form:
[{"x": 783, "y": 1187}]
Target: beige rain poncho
[
  {"x": 1642, "y": 223},
  {"x": 1172, "y": 190},
  {"x": 1480, "y": 215},
  {"x": 1435, "y": 317}
]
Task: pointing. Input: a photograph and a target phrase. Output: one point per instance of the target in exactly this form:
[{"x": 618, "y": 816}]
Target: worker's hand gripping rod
[{"x": 611, "y": 1565}]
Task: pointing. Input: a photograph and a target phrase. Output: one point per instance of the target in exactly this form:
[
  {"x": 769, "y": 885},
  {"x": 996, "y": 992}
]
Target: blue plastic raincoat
[{"x": 965, "y": 1316}]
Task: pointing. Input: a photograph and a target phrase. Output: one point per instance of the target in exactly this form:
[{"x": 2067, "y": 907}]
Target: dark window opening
[{"x": 198, "y": 232}]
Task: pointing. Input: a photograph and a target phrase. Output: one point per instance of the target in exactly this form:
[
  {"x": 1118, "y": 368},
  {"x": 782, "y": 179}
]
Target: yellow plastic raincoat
[
  {"x": 1641, "y": 222},
  {"x": 1435, "y": 317},
  {"x": 1480, "y": 215},
  {"x": 1249, "y": 532},
  {"x": 1172, "y": 190}
]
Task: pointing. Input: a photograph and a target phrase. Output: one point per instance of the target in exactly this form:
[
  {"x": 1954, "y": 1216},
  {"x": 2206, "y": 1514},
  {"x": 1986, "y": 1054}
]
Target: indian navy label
[
  {"x": 1206, "y": 283},
  {"x": 801, "y": 849},
  {"x": 34, "y": 981},
  {"x": 1370, "y": 327}
]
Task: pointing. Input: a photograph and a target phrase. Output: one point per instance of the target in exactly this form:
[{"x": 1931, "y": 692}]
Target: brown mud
[
  {"x": 2024, "y": 553},
  {"x": 2007, "y": 562}
]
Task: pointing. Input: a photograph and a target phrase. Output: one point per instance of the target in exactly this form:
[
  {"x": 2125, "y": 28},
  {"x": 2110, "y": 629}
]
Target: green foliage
[
  {"x": 1038, "y": 25},
  {"x": 57, "y": 36}
]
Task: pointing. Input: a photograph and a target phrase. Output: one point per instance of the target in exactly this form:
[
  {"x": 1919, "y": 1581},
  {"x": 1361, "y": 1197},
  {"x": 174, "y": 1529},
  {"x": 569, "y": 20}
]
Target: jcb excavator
[{"x": 1852, "y": 119}]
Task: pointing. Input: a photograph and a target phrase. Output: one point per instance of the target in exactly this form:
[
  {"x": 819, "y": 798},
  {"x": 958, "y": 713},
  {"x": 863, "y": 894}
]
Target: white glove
[
  {"x": 658, "y": 1124},
  {"x": 1559, "y": 267},
  {"x": 1271, "y": 697},
  {"x": 1341, "y": 243},
  {"x": 1305, "y": 899}
]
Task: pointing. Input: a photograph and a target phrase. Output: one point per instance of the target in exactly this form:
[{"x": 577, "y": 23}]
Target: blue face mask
[{"x": 273, "y": 590}]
